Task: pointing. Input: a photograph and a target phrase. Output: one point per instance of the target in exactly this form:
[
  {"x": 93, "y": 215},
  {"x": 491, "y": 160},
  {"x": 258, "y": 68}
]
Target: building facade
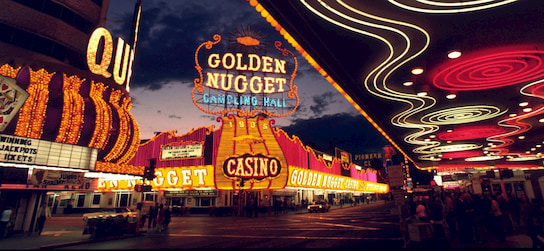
[{"x": 65, "y": 107}]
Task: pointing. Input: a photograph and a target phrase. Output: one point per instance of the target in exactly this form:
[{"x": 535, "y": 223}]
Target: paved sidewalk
[{"x": 54, "y": 235}]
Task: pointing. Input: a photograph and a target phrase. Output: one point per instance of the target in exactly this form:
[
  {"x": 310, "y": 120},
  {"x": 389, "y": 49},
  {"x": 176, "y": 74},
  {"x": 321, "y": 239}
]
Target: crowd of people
[
  {"x": 481, "y": 217},
  {"x": 158, "y": 217}
]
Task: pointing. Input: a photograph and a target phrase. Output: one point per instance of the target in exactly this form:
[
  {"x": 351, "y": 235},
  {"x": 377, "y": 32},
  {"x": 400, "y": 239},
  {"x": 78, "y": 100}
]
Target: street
[{"x": 367, "y": 226}]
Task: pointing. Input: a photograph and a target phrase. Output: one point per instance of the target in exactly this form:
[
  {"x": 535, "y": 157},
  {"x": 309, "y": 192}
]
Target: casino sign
[{"x": 245, "y": 78}]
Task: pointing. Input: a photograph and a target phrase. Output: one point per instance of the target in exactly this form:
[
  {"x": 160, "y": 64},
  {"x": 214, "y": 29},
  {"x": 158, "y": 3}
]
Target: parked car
[
  {"x": 319, "y": 206},
  {"x": 110, "y": 222},
  {"x": 112, "y": 212}
]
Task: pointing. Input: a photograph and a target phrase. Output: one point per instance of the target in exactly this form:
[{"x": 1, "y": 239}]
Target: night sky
[{"x": 163, "y": 74}]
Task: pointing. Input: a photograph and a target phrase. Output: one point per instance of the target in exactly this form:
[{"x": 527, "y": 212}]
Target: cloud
[
  {"x": 322, "y": 101},
  {"x": 171, "y": 31}
]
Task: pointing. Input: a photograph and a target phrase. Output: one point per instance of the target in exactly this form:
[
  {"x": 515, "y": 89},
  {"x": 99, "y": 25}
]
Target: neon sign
[
  {"x": 299, "y": 177},
  {"x": 249, "y": 81},
  {"x": 252, "y": 167}
]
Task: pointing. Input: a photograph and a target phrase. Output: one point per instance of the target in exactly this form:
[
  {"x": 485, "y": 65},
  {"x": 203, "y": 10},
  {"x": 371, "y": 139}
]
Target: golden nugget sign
[
  {"x": 299, "y": 177},
  {"x": 167, "y": 178},
  {"x": 245, "y": 81}
]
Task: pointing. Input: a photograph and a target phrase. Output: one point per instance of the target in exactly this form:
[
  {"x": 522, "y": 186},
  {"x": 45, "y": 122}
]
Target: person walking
[
  {"x": 496, "y": 219},
  {"x": 153, "y": 210},
  {"x": 535, "y": 226},
  {"x": 160, "y": 219},
  {"x": 421, "y": 211},
  {"x": 5, "y": 218},
  {"x": 167, "y": 217},
  {"x": 482, "y": 209},
  {"x": 44, "y": 213}
]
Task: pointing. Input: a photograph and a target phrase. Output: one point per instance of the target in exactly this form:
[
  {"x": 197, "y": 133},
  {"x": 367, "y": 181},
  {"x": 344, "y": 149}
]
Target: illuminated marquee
[
  {"x": 167, "y": 178},
  {"x": 183, "y": 151},
  {"x": 244, "y": 81},
  {"x": 15, "y": 149},
  {"x": 299, "y": 177},
  {"x": 252, "y": 167}
]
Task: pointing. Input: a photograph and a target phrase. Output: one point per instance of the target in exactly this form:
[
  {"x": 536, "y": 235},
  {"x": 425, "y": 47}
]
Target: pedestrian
[
  {"x": 153, "y": 210},
  {"x": 534, "y": 226},
  {"x": 482, "y": 209},
  {"x": 5, "y": 219},
  {"x": 44, "y": 213},
  {"x": 167, "y": 217},
  {"x": 277, "y": 207},
  {"x": 525, "y": 210},
  {"x": 160, "y": 218},
  {"x": 514, "y": 203},
  {"x": 496, "y": 223},
  {"x": 449, "y": 213},
  {"x": 465, "y": 217},
  {"x": 505, "y": 210},
  {"x": 267, "y": 206},
  {"x": 421, "y": 211}
]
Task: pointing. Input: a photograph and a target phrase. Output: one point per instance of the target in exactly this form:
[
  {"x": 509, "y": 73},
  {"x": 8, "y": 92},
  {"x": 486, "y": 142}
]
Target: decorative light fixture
[
  {"x": 528, "y": 109},
  {"x": 408, "y": 83},
  {"x": 523, "y": 158},
  {"x": 454, "y": 54},
  {"x": 523, "y": 104},
  {"x": 521, "y": 137},
  {"x": 422, "y": 94},
  {"x": 484, "y": 158},
  {"x": 451, "y": 96},
  {"x": 417, "y": 71}
]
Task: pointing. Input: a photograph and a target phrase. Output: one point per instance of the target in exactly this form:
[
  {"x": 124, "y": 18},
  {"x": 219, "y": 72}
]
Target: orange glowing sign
[
  {"x": 299, "y": 177},
  {"x": 124, "y": 57},
  {"x": 249, "y": 80},
  {"x": 248, "y": 151},
  {"x": 171, "y": 178}
]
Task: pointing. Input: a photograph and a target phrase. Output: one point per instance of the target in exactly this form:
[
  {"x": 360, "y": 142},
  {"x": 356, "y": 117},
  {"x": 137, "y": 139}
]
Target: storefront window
[
  {"x": 81, "y": 200},
  {"x": 204, "y": 202},
  {"x": 96, "y": 199},
  {"x": 508, "y": 188},
  {"x": 149, "y": 196},
  {"x": 519, "y": 188},
  {"x": 123, "y": 199},
  {"x": 497, "y": 188}
]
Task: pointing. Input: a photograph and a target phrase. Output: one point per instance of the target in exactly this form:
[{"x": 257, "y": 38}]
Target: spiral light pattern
[
  {"x": 455, "y": 148},
  {"x": 491, "y": 71},
  {"x": 461, "y": 115},
  {"x": 430, "y": 6}
]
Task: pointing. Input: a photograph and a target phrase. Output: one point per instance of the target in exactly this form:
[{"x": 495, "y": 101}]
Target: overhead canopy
[{"x": 368, "y": 49}]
